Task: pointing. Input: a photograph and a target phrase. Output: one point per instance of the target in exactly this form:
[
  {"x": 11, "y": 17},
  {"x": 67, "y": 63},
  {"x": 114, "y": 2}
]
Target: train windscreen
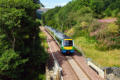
[{"x": 68, "y": 43}]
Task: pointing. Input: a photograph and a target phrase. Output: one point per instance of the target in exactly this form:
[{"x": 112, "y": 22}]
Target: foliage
[
  {"x": 10, "y": 61},
  {"x": 112, "y": 28},
  {"x": 104, "y": 8},
  {"x": 118, "y": 20},
  {"x": 79, "y": 20},
  {"x": 66, "y": 17},
  {"x": 21, "y": 54},
  {"x": 82, "y": 14}
]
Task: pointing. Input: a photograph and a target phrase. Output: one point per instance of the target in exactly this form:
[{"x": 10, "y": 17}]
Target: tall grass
[
  {"x": 43, "y": 40},
  {"x": 89, "y": 46}
]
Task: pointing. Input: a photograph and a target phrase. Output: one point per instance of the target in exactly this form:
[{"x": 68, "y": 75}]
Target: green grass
[
  {"x": 88, "y": 45},
  {"x": 43, "y": 40},
  {"x": 45, "y": 46},
  {"x": 41, "y": 77}
]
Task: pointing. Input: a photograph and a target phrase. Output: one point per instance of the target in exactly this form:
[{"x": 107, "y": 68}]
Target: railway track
[
  {"x": 77, "y": 69},
  {"x": 80, "y": 74},
  {"x": 72, "y": 69}
]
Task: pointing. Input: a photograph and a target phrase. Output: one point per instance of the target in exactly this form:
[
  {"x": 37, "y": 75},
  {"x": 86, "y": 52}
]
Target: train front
[{"x": 67, "y": 46}]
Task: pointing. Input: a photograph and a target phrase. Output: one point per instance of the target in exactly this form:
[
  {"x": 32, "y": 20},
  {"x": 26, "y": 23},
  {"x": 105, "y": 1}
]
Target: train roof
[
  {"x": 66, "y": 37},
  {"x": 58, "y": 34}
]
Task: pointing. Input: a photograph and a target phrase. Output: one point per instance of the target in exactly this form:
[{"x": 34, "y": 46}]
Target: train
[
  {"x": 66, "y": 43},
  {"x": 67, "y": 46}
]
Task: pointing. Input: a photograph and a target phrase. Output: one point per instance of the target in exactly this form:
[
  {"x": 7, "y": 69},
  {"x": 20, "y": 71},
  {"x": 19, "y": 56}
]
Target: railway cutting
[{"x": 73, "y": 67}]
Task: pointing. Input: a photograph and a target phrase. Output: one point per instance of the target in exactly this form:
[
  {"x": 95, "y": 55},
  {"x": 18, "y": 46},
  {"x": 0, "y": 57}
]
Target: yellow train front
[{"x": 67, "y": 46}]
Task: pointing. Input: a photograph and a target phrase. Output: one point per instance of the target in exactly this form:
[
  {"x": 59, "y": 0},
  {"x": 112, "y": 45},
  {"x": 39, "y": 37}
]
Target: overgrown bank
[
  {"x": 79, "y": 19},
  {"x": 21, "y": 55}
]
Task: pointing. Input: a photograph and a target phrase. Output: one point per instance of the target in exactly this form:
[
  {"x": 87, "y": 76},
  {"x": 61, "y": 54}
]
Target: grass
[
  {"x": 45, "y": 46},
  {"x": 108, "y": 17},
  {"x": 41, "y": 77},
  {"x": 108, "y": 58},
  {"x": 43, "y": 40}
]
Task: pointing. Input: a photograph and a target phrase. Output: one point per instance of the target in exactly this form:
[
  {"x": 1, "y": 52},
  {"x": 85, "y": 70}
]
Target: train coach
[
  {"x": 67, "y": 43},
  {"x": 67, "y": 46}
]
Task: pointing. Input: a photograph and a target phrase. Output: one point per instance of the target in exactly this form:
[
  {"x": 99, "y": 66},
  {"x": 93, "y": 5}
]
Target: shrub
[
  {"x": 118, "y": 20},
  {"x": 112, "y": 28},
  {"x": 84, "y": 24}
]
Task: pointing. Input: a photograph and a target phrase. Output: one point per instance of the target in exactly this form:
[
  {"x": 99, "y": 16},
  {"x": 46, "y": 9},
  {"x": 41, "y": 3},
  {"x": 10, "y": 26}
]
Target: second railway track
[{"x": 77, "y": 69}]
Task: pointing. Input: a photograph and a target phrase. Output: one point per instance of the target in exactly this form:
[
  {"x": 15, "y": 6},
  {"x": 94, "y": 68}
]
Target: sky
[{"x": 53, "y": 3}]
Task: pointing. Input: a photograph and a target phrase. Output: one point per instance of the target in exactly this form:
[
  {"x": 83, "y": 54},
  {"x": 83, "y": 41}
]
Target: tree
[{"x": 20, "y": 49}]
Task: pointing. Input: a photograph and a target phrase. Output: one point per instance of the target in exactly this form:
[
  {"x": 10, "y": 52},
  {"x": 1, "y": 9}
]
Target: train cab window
[{"x": 68, "y": 43}]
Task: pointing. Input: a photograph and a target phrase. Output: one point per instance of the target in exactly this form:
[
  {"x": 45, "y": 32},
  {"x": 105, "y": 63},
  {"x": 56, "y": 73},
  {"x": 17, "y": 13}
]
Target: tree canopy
[
  {"x": 21, "y": 54},
  {"x": 83, "y": 15}
]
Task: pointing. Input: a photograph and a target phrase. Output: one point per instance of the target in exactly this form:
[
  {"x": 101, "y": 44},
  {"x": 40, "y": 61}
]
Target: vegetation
[
  {"x": 84, "y": 14},
  {"x": 43, "y": 40},
  {"x": 79, "y": 19},
  {"x": 90, "y": 48},
  {"x": 45, "y": 46},
  {"x": 21, "y": 55}
]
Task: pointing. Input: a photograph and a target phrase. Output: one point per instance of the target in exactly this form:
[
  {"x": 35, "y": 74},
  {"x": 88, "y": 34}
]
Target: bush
[
  {"x": 118, "y": 20},
  {"x": 112, "y": 28},
  {"x": 10, "y": 61}
]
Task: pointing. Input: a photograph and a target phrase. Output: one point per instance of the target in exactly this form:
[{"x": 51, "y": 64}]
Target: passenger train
[
  {"x": 67, "y": 43},
  {"x": 67, "y": 46}
]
